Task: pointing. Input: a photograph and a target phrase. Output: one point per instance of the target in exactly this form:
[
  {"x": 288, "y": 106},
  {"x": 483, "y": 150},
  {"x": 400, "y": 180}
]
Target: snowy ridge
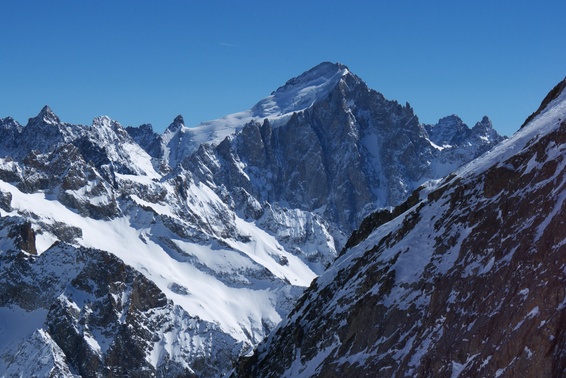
[
  {"x": 301, "y": 92},
  {"x": 119, "y": 147}
]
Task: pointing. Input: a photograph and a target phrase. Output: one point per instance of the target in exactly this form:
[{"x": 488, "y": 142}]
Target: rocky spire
[
  {"x": 178, "y": 123},
  {"x": 484, "y": 128},
  {"x": 46, "y": 116}
]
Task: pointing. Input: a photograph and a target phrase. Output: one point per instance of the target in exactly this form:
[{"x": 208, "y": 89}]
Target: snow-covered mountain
[
  {"x": 465, "y": 278},
  {"x": 129, "y": 251},
  {"x": 326, "y": 143}
]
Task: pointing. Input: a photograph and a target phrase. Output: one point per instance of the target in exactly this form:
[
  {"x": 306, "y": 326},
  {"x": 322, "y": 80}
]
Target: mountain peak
[
  {"x": 178, "y": 123},
  {"x": 47, "y": 116},
  {"x": 484, "y": 124},
  {"x": 450, "y": 130},
  {"x": 301, "y": 92},
  {"x": 179, "y": 120},
  {"x": 484, "y": 130},
  {"x": 324, "y": 71}
]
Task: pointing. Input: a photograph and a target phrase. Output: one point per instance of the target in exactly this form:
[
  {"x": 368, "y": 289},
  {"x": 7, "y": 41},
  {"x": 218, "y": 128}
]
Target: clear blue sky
[{"x": 148, "y": 61}]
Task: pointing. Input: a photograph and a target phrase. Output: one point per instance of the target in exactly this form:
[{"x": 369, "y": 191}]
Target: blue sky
[{"x": 148, "y": 61}]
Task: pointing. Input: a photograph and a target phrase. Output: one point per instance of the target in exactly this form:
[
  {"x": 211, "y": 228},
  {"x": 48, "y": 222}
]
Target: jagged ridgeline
[{"x": 128, "y": 251}]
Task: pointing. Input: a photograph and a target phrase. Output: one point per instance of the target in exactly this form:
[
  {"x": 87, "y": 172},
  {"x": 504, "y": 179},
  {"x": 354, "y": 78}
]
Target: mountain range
[
  {"x": 126, "y": 251},
  {"x": 466, "y": 278}
]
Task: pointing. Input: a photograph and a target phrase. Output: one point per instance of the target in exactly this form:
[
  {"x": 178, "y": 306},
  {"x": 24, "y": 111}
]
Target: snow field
[{"x": 239, "y": 311}]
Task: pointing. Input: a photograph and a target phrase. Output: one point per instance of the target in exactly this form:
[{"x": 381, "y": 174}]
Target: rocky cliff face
[
  {"x": 175, "y": 253},
  {"x": 467, "y": 278}
]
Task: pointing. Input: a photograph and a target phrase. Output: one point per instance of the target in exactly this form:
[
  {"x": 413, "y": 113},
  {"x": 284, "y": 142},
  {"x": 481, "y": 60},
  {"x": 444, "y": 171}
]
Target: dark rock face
[
  {"x": 45, "y": 132},
  {"x": 149, "y": 140},
  {"x": 449, "y": 130},
  {"x": 123, "y": 322},
  {"x": 378, "y": 219},
  {"x": 5, "y": 201},
  {"x": 9, "y": 132},
  {"x": 468, "y": 281},
  {"x": 24, "y": 237}
]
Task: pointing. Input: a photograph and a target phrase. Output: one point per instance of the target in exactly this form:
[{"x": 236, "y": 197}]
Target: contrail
[{"x": 228, "y": 44}]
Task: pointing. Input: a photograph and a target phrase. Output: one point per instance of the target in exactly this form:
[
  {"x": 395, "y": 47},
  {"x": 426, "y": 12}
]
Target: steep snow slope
[{"x": 469, "y": 279}]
